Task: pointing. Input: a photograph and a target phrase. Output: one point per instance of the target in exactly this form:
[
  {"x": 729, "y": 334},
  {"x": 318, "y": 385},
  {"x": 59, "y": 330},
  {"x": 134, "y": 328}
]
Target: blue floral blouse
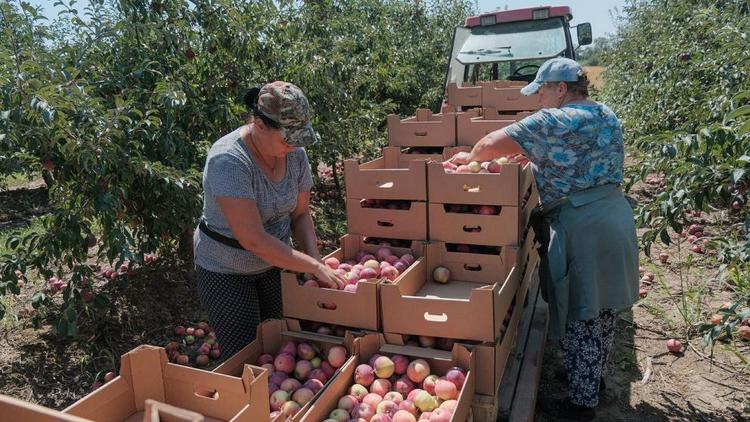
[{"x": 575, "y": 147}]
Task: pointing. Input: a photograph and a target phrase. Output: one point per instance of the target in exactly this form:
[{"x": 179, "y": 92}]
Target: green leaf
[
  {"x": 664, "y": 236},
  {"x": 738, "y": 112}
]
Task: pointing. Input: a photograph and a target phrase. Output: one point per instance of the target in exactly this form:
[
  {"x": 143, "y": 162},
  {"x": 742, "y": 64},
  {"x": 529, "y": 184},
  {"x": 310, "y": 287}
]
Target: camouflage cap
[{"x": 285, "y": 104}]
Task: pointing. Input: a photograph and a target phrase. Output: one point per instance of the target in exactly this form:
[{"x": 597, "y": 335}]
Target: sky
[{"x": 596, "y": 12}]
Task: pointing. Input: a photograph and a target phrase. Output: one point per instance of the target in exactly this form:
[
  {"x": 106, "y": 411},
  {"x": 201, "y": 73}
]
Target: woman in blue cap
[
  {"x": 590, "y": 263},
  {"x": 256, "y": 196}
]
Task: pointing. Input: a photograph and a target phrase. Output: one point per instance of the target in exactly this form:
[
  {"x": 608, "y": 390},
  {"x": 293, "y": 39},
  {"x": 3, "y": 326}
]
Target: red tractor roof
[{"x": 516, "y": 15}]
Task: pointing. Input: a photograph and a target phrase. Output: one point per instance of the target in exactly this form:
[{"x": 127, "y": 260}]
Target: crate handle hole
[
  {"x": 207, "y": 393},
  {"x": 470, "y": 267},
  {"x": 435, "y": 317},
  {"x": 472, "y": 229},
  {"x": 384, "y": 185},
  {"x": 327, "y": 306},
  {"x": 472, "y": 189},
  {"x": 385, "y": 223}
]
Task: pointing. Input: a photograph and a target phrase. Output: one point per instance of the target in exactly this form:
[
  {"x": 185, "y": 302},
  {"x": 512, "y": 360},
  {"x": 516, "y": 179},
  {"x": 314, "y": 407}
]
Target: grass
[
  {"x": 5, "y": 234},
  {"x": 16, "y": 180}
]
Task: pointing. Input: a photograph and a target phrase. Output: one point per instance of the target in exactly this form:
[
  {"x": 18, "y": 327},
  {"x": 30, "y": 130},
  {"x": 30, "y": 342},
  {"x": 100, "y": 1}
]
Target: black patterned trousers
[
  {"x": 236, "y": 304},
  {"x": 585, "y": 348}
]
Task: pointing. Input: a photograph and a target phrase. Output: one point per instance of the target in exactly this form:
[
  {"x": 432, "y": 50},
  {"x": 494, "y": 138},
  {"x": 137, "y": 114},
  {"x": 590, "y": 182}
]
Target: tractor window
[{"x": 512, "y": 41}]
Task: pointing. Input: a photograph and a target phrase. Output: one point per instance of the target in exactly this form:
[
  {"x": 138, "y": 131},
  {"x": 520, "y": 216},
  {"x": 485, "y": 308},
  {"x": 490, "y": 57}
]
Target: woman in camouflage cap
[{"x": 256, "y": 185}]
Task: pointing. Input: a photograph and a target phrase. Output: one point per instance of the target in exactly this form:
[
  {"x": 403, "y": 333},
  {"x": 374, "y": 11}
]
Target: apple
[
  {"x": 663, "y": 257},
  {"x": 716, "y": 319},
  {"x": 674, "y": 346},
  {"x": 336, "y": 356},
  {"x": 474, "y": 167},
  {"x": 418, "y": 370},
  {"x": 441, "y": 274},
  {"x": 384, "y": 367},
  {"x": 404, "y": 416}
]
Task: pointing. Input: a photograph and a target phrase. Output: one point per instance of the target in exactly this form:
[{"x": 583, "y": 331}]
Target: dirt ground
[{"x": 38, "y": 367}]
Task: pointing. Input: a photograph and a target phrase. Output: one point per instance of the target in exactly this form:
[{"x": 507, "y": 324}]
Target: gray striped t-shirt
[{"x": 230, "y": 171}]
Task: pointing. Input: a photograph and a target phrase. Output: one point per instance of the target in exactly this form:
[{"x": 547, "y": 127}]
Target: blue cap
[{"x": 558, "y": 69}]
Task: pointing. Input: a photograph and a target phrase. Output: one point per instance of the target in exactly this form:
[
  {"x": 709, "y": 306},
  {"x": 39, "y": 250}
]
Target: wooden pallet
[{"x": 516, "y": 396}]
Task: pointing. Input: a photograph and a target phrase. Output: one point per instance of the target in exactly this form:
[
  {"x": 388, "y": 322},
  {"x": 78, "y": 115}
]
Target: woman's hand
[
  {"x": 461, "y": 158},
  {"x": 329, "y": 277}
]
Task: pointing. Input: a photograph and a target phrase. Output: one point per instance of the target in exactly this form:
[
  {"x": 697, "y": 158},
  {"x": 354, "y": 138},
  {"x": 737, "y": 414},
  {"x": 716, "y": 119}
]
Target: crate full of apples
[
  {"x": 500, "y": 182},
  {"x": 387, "y": 382},
  {"x": 364, "y": 265},
  {"x": 300, "y": 364}
]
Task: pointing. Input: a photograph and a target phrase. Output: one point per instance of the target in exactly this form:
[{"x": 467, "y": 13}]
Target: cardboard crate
[
  {"x": 508, "y": 98},
  {"x": 408, "y": 154},
  {"x": 464, "y": 96},
  {"x": 145, "y": 373},
  {"x": 384, "y": 344},
  {"x": 475, "y": 124},
  {"x": 492, "y": 358},
  {"x": 423, "y": 130},
  {"x": 408, "y": 224},
  {"x": 503, "y": 188},
  {"x": 272, "y": 334},
  {"x": 357, "y": 310},
  {"x": 158, "y": 411},
  {"x": 391, "y": 176},
  {"x": 13, "y": 409},
  {"x": 503, "y": 229},
  {"x": 471, "y": 306}
]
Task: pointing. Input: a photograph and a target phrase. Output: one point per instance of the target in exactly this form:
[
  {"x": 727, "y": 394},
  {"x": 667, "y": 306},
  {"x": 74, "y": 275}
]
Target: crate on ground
[
  {"x": 502, "y": 97},
  {"x": 393, "y": 219},
  {"x": 471, "y": 306},
  {"x": 475, "y": 124},
  {"x": 507, "y": 188},
  {"x": 481, "y": 225},
  {"x": 422, "y": 130},
  {"x": 465, "y": 95},
  {"x": 492, "y": 358},
  {"x": 271, "y": 336},
  {"x": 145, "y": 373},
  {"x": 391, "y": 176},
  {"x": 388, "y": 345},
  {"x": 358, "y": 309}
]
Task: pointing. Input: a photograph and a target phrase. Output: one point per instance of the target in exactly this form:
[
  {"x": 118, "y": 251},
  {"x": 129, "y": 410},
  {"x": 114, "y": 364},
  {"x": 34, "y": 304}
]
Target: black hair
[{"x": 251, "y": 101}]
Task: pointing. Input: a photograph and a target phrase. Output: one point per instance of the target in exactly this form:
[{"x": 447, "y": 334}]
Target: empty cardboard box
[
  {"x": 388, "y": 177},
  {"x": 464, "y": 96},
  {"x": 475, "y": 124},
  {"x": 502, "y": 97},
  {"x": 423, "y": 130},
  {"x": 145, "y": 373}
]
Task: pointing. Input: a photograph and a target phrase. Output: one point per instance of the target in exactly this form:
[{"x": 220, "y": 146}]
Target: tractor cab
[{"x": 512, "y": 44}]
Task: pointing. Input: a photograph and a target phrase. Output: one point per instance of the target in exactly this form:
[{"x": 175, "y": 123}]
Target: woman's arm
[
  {"x": 247, "y": 227},
  {"x": 302, "y": 226},
  {"x": 493, "y": 145}
]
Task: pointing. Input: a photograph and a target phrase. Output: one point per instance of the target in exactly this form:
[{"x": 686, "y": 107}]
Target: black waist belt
[{"x": 229, "y": 241}]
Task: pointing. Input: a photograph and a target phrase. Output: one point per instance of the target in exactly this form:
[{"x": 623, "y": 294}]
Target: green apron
[{"x": 592, "y": 256}]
